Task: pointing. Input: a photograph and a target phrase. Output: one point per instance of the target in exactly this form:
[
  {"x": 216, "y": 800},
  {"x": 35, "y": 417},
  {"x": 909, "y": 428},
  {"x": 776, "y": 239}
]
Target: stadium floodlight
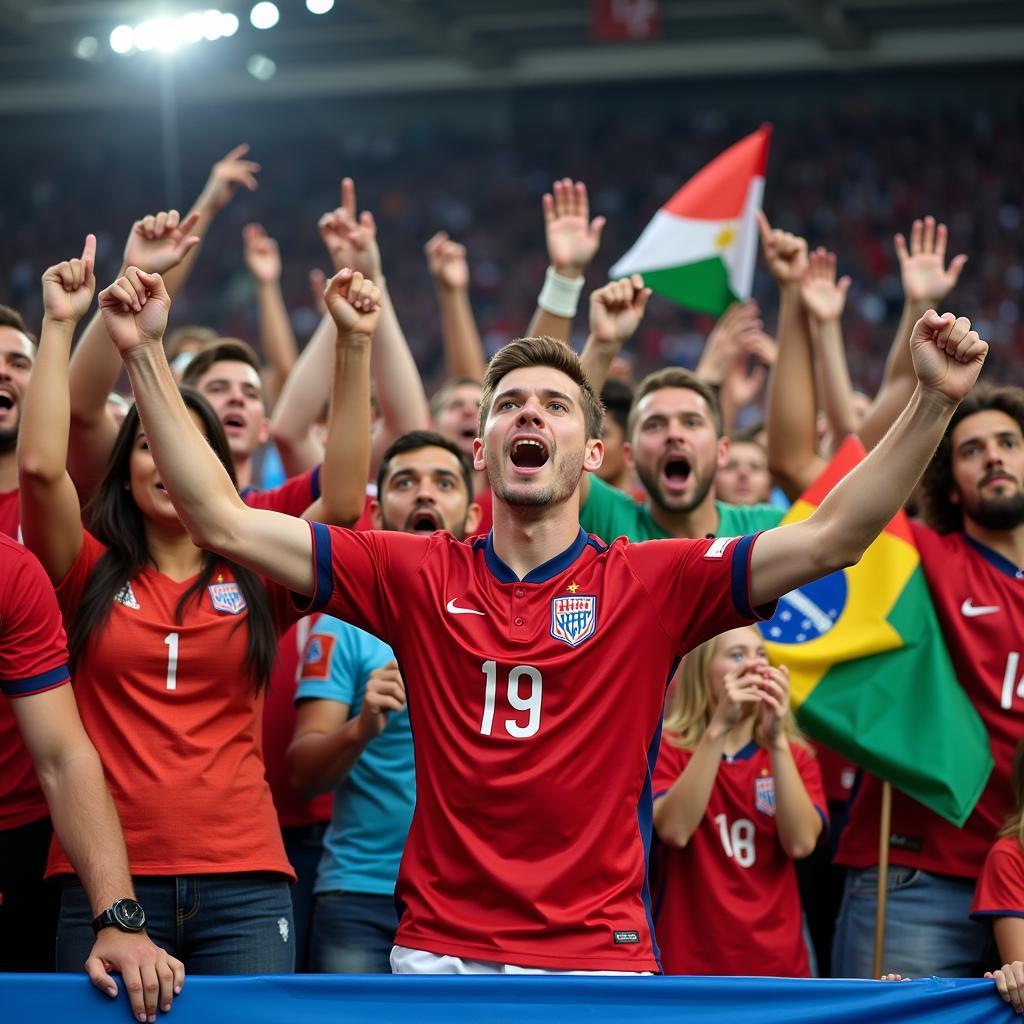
[
  {"x": 228, "y": 24},
  {"x": 86, "y": 48},
  {"x": 319, "y": 6},
  {"x": 168, "y": 34},
  {"x": 264, "y": 15},
  {"x": 192, "y": 27},
  {"x": 145, "y": 35},
  {"x": 213, "y": 27},
  {"x": 122, "y": 39},
  {"x": 261, "y": 67}
]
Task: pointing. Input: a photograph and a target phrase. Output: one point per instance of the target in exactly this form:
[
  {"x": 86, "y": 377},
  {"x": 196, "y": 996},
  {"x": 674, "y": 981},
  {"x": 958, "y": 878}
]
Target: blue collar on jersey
[
  {"x": 742, "y": 755},
  {"x": 996, "y": 560},
  {"x": 551, "y": 568}
]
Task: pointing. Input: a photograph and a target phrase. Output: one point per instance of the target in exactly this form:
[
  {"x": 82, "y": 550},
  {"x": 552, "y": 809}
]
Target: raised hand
[
  {"x": 160, "y": 241},
  {"x": 447, "y": 262},
  {"x": 617, "y": 309},
  {"x": 784, "y": 253},
  {"x": 385, "y": 692},
  {"x": 317, "y": 284},
  {"x": 151, "y": 976},
  {"x": 746, "y": 376},
  {"x": 227, "y": 175},
  {"x": 726, "y": 340},
  {"x": 947, "y": 353},
  {"x": 353, "y": 302},
  {"x": 572, "y": 237},
  {"x": 68, "y": 287},
  {"x": 261, "y": 254},
  {"x": 351, "y": 242},
  {"x": 926, "y": 278},
  {"x": 741, "y": 692},
  {"x": 774, "y": 688},
  {"x": 135, "y": 309},
  {"x": 823, "y": 296}
]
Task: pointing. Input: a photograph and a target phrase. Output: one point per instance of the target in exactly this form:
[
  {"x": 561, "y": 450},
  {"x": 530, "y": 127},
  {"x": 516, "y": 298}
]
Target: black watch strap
[{"x": 126, "y": 914}]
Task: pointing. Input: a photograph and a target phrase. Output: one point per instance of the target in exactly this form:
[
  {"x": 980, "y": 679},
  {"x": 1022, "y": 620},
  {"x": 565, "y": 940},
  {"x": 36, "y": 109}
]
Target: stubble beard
[{"x": 652, "y": 485}]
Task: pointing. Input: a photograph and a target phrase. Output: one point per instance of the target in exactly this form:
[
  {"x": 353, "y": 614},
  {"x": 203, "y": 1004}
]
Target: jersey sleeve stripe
[
  {"x": 741, "y": 555},
  {"x": 314, "y": 483},
  {"x": 36, "y": 684},
  {"x": 324, "y": 577},
  {"x": 996, "y": 913}
]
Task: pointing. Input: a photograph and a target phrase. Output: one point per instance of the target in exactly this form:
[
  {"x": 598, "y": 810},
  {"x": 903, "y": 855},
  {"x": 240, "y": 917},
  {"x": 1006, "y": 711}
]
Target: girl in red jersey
[
  {"x": 738, "y": 797},
  {"x": 999, "y": 896},
  {"x": 171, "y": 648}
]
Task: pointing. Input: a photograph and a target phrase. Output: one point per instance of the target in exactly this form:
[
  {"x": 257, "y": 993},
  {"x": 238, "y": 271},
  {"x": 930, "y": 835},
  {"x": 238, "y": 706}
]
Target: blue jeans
[
  {"x": 303, "y": 845},
  {"x": 927, "y": 930},
  {"x": 353, "y": 933},
  {"x": 214, "y": 924}
]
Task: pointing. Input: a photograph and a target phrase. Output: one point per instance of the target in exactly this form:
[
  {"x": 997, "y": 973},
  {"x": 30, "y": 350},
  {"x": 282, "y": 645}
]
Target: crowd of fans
[{"x": 443, "y": 272}]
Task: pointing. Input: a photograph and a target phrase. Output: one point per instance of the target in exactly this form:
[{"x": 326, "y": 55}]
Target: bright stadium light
[
  {"x": 122, "y": 39},
  {"x": 145, "y": 35},
  {"x": 319, "y": 6},
  {"x": 213, "y": 27},
  {"x": 86, "y": 48},
  {"x": 192, "y": 27},
  {"x": 228, "y": 24},
  {"x": 264, "y": 15},
  {"x": 260, "y": 67},
  {"x": 168, "y": 34}
]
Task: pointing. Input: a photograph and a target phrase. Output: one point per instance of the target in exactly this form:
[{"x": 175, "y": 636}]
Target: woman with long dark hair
[{"x": 171, "y": 649}]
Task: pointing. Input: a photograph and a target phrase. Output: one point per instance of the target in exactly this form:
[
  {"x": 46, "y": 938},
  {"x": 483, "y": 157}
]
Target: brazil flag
[{"x": 871, "y": 677}]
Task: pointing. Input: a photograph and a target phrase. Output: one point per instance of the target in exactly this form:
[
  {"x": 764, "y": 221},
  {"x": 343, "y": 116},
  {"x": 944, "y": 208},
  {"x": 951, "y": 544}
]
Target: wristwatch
[{"x": 125, "y": 914}]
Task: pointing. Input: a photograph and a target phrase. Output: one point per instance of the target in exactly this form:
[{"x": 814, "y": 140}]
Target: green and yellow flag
[{"x": 871, "y": 677}]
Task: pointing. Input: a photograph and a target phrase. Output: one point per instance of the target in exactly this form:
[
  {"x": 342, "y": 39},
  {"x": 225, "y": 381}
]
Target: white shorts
[{"x": 418, "y": 961}]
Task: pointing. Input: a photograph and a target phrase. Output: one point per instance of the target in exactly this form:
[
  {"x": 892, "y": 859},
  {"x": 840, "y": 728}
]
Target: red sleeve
[
  {"x": 699, "y": 588},
  {"x": 671, "y": 762},
  {"x": 361, "y": 577},
  {"x": 71, "y": 588},
  {"x": 292, "y": 498},
  {"x": 33, "y": 648},
  {"x": 1000, "y": 891},
  {"x": 810, "y": 774}
]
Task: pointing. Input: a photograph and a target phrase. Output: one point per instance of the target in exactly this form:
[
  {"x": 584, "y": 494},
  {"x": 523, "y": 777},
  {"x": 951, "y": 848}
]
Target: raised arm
[
  {"x": 926, "y": 282},
  {"x": 616, "y": 310},
  {"x": 824, "y": 298},
  {"x": 51, "y": 521},
  {"x": 792, "y": 409},
  {"x": 745, "y": 378},
  {"x": 947, "y": 356},
  {"x": 572, "y": 240},
  {"x": 277, "y": 338},
  {"x": 463, "y": 350},
  {"x": 157, "y": 243}
]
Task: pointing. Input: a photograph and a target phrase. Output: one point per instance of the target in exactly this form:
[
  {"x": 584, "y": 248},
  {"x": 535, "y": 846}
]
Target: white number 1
[
  {"x": 172, "y": 660},
  {"x": 516, "y": 701}
]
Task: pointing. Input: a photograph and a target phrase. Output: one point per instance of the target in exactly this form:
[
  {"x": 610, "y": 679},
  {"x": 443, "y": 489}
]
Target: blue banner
[{"x": 380, "y": 999}]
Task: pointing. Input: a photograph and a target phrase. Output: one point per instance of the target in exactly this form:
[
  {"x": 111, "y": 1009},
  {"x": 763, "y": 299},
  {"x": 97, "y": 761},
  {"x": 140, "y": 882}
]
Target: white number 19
[{"x": 515, "y": 699}]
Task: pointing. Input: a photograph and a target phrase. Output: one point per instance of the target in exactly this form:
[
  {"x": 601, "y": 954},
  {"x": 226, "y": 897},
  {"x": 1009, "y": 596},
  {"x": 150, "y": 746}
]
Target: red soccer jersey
[
  {"x": 727, "y": 902},
  {"x": 979, "y": 599},
  {"x": 536, "y": 710},
  {"x": 293, "y": 497},
  {"x": 177, "y": 724},
  {"x": 1000, "y": 890},
  {"x": 21, "y": 799}
]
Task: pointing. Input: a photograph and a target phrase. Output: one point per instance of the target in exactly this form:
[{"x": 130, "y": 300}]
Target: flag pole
[{"x": 884, "y": 828}]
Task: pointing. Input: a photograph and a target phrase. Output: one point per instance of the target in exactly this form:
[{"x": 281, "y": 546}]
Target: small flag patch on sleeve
[
  {"x": 316, "y": 662},
  {"x": 717, "y": 550}
]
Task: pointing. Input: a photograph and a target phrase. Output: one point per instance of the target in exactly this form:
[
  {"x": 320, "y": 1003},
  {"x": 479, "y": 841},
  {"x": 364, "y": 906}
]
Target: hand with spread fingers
[
  {"x": 68, "y": 287},
  {"x": 160, "y": 241},
  {"x": 948, "y": 354},
  {"x": 353, "y": 302},
  {"x": 823, "y": 296},
  {"x": 926, "y": 278},
  {"x": 572, "y": 237},
  {"x": 135, "y": 309},
  {"x": 151, "y": 976},
  {"x": 227, "y": 175}
]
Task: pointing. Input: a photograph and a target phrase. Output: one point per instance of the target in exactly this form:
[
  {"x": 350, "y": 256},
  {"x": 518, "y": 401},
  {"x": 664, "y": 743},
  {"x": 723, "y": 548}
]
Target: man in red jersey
[
  {"x": 972, "y": 553},
  {"x": 34, "y": 674},
  {"x": 535, "y": 736}
]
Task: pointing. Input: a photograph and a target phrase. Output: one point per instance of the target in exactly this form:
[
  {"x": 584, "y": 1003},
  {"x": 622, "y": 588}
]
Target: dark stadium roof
[{"x": 411, "y": 46}]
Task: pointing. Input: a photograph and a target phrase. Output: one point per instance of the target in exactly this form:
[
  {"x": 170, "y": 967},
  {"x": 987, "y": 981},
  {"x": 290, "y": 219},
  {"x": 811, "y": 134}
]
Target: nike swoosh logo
[
  {"x": 450, "y": 606},
  {"x": 971, "y": 610}
]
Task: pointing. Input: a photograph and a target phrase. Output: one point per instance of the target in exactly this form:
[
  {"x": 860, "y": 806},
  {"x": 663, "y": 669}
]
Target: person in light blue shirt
[{"x": 352, "y": 730}]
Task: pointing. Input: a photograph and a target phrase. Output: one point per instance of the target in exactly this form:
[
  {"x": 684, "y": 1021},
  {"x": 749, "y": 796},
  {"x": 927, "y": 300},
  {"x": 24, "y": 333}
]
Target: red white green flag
[{"x": 700, "y": 248}]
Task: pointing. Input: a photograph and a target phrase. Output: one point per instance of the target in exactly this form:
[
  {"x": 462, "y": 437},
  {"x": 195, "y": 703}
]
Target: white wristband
[{"x": 560, "y": 295}]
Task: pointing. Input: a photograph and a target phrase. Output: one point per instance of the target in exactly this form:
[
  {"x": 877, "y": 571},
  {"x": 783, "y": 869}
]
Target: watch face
[{"x": 130, "y": 915}]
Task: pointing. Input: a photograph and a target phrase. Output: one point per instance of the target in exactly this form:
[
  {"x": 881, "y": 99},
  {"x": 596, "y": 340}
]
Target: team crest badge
[
  {"x": 126, "y": 596},
  {"x": 316, "y": 662},
  {"x": 227, "y": 597},
  {"x": 764, "y": 794},
  {"x": 573, "y": 619}
]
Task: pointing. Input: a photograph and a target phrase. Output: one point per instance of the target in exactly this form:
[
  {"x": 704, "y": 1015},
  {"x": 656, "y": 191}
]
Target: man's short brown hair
[
  {"x": 940, "y": 512},
  {"x": 12, "y": 318},
  {"x": 544, "y": 351},
  {"x": 675, "y": 377},
  {"x": 440, "y": 396},
  {"x": 223, "y": 350},
  {"x": 178, "y": 337}
]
